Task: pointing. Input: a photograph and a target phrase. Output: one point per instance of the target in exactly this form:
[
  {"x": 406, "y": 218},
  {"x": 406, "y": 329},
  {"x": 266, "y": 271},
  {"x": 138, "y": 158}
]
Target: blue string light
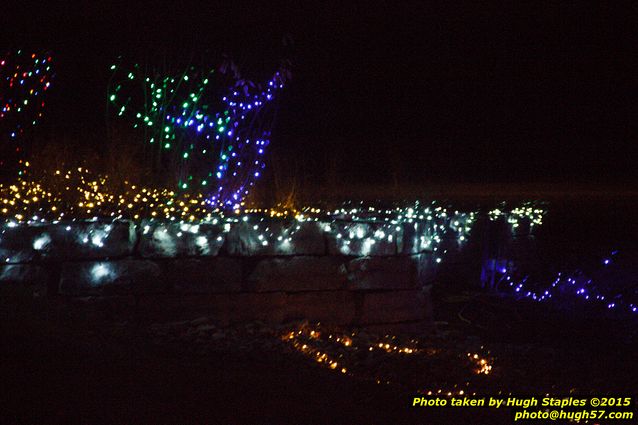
[{"x": 575, "y": 285}]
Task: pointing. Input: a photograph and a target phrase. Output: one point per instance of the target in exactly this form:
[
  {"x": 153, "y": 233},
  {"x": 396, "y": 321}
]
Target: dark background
[{"x": 412, "y": 91}]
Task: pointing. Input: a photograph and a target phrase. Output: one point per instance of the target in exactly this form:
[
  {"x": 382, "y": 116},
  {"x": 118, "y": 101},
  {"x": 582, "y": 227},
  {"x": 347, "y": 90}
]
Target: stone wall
[{"x": 357, "y": 273}]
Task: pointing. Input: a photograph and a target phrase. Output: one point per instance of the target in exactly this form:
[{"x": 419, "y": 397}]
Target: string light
[
  {"x": 529, "y": 212},
  {"x": 351, "y": 353},
  {"x": 576, "y": 284}
]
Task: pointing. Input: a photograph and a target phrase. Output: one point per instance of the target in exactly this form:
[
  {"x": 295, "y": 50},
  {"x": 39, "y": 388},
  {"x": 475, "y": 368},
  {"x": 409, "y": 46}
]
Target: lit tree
[
  {"x": 204, "y": 142},
  {"x": 24, "y": 80}
]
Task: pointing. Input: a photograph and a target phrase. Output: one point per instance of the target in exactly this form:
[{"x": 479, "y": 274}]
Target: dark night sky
[{"x": 475, "y": 91}]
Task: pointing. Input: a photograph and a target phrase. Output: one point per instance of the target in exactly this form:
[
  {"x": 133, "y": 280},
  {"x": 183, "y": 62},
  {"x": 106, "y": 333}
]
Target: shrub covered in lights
[
  {"x": 81, "y": 194},
  {"x": 201, "y": 141},
  {"x": 25, "y": 78}
]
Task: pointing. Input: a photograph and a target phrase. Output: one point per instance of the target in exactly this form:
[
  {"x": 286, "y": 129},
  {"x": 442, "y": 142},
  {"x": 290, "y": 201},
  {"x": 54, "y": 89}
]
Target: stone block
[
  {"x": 266, "y": 236},
  {"x": 16, "y": 242},
  {"x": 383, "y": 273},
  {"x": 305, "y": 273},
  {"x": 362, "y": 238},
  {"x": 203, "y": 275},
  {"x": 167, "y": 240},
  {"x": 268, "y": 307},
  {"x": 426, "y": 266},
  {"x": 111, "y": 277},
  {"x": 23, "y": 280},
  {"x": 65, "y": 241}
]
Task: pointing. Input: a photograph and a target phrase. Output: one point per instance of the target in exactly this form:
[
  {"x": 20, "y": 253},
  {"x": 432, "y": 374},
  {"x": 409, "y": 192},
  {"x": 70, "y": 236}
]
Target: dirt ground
[{"x": 74, "y": 371}]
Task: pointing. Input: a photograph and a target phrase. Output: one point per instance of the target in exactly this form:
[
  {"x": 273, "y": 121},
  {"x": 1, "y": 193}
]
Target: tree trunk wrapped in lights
[{"x": 194, "y": 138}]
